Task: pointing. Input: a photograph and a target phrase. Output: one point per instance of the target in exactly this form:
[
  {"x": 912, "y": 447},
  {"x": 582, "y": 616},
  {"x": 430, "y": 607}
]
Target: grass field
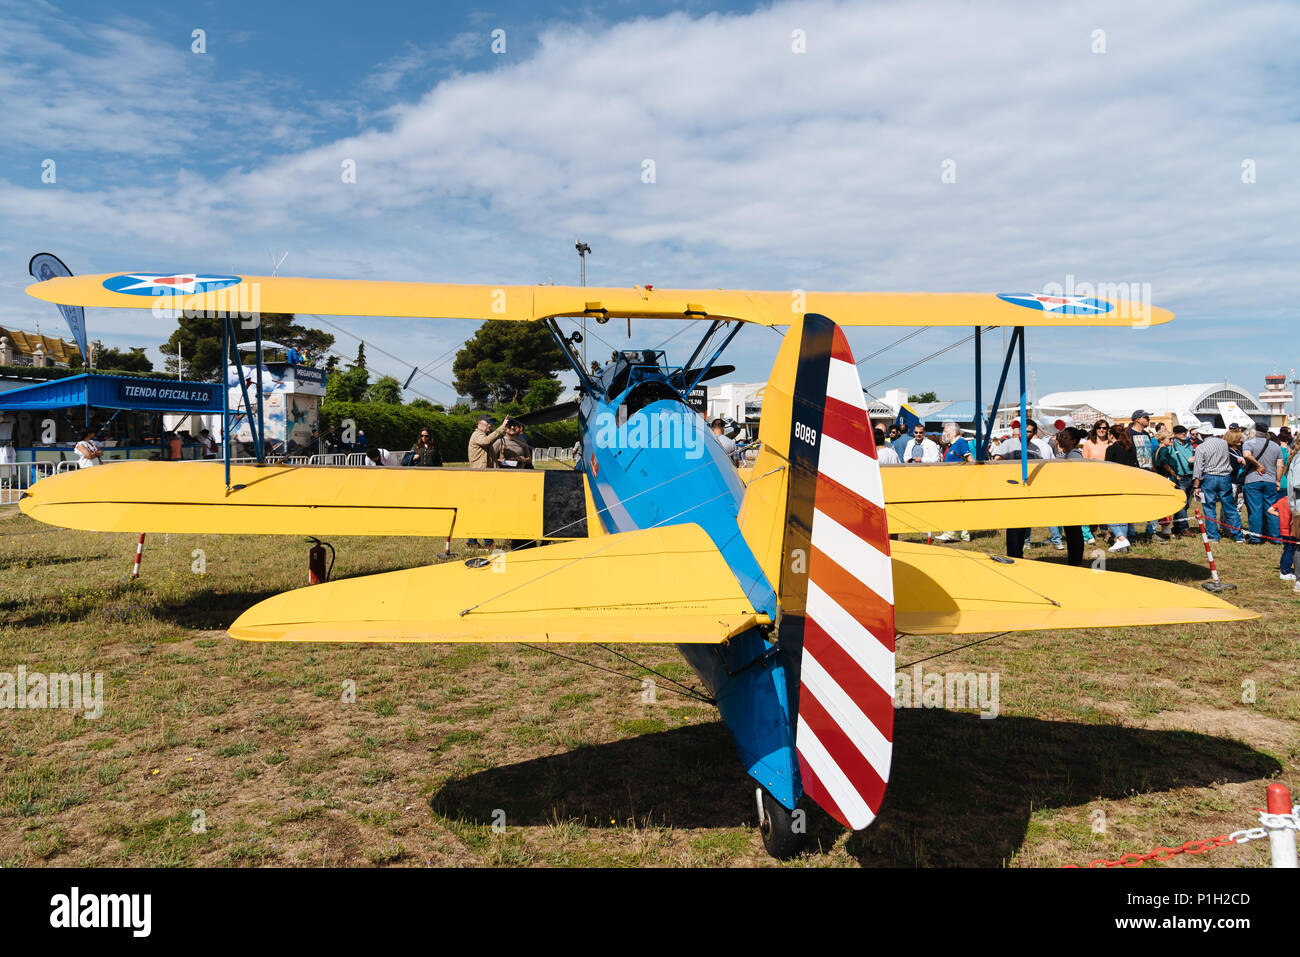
[{"x": 214, "y": 752}]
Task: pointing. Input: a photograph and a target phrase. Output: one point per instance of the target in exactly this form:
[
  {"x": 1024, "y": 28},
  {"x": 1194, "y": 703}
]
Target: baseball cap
[
  {"x": 1141, "y": 414},
  {"x": 1180, "y": 429}
]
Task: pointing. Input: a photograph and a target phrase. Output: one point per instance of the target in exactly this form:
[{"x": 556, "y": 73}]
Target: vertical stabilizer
[{"x": 814, "y": 516}]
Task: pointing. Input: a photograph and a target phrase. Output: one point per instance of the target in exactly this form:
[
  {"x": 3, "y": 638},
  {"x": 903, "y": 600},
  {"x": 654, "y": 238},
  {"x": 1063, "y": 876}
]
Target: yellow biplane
[{"x": 783, "y": 590}]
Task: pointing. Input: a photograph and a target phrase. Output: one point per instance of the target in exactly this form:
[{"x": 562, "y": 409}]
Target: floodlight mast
[{"x": 583, "y": 249}]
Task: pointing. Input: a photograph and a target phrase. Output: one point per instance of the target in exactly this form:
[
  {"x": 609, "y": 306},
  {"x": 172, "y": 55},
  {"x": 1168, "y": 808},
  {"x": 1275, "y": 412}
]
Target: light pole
[
  {"x": 583, "y": 249},
  {"x": 1295, "y": 403}
]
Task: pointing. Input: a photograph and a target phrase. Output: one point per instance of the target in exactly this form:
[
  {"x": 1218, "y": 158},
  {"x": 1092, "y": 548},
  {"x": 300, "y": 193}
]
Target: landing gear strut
[{"x": 781, "y": 830}]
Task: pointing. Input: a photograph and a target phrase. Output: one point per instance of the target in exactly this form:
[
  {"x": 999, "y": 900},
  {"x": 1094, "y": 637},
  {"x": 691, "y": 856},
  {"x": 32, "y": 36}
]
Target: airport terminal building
[{"x": 1207, "y": 402}]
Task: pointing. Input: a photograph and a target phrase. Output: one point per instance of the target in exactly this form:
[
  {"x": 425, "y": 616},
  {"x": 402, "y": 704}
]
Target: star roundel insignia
[
  {"x": 1065, "y": 305},
  {"x": 153, "y": 284}
]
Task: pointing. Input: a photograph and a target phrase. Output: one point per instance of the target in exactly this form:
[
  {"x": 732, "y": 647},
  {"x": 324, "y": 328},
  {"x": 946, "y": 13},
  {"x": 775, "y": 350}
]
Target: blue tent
[{"x": 114, "y": 392}]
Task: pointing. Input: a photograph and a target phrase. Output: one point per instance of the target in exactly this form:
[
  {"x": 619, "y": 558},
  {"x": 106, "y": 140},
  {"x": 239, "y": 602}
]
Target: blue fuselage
[{"x": 650, "y": 461}]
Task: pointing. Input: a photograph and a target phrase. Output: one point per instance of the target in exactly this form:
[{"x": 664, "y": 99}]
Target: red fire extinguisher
[{"x": 317, "y": 572}]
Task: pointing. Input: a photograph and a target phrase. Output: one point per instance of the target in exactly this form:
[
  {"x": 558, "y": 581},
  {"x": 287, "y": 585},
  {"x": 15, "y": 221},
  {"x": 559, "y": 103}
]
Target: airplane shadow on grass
[
  {"x": 1165, "y": 569},
  {"x": 212, "y": 609},
  {"x": 961, "y": 793}
]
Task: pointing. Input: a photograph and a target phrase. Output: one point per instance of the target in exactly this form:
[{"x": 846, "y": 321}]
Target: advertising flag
[{"x": 47, "y": 266}]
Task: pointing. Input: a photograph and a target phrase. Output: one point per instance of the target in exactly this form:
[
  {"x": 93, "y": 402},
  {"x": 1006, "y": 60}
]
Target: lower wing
[
  {"x": 191, "y": 498},
  {"x": 934, "y": 498},
  {"x": 666, "y": 584}
]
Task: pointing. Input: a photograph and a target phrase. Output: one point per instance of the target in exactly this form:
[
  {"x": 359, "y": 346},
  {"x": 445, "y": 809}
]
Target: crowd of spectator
[{"x": 1246, "y": 471}]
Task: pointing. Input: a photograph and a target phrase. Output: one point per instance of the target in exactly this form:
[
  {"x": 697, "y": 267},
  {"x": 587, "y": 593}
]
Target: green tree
[
  {"x": 360, "y": 362},
  {"x": 385, "y": 389},
  {"x": 923, "y": 397},
  {"x": 542, "y": 393},
  {"x": 199, "y": 338},
  {"x": 503, "y": 359},
  {"x": 350, "y": 386},
  {"x": 133, "y": 360}
]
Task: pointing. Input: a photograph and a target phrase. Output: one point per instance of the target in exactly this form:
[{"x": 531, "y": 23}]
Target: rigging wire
[
  {"x": 377, "y": 372},
  {"x": 660, "y": 674},
  {"x": 940, "y": 654},
  {"x": 689, "y": 693},
  {"x": 383, "y": 352},
  {"x": 896, "y": 342},
  {"x": 924, "y": 359}
]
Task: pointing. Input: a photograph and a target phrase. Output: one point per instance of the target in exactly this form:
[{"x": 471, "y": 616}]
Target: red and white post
[
  {"x": 1281, "y": 838},
  {"x": 139, "y": 553},
  {"x": 1214, "y": 584}
]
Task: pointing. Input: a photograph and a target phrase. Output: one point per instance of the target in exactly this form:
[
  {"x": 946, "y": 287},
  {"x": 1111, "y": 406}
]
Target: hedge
[
  {"x": 396, "y": 427},
  {"x": 58, "y": 372}
]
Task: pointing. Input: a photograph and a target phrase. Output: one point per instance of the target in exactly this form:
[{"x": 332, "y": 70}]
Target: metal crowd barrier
[
  {"x": 553, "y": 453},
  {"x": 15, "y": 477}
]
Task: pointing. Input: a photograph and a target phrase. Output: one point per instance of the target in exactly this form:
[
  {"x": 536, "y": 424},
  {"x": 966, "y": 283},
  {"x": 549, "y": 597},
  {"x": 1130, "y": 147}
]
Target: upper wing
[
  {"x": 191, "y": 498},
  {"x": 944, "y": 591},
  {"x": 661, "y": 584},
  {"x": 366, "y": 297}
]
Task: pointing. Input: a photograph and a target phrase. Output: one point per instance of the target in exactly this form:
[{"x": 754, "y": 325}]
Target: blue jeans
[
  {"x": 1122, "y": 531},
  {"x": 1184, "y": 483},
  {"x": 1218, "y": 490},
  {"x": 1055, "y": 534},
  {"x": 1288, "y": 555},
  {"x": 1259, "y": 496}
]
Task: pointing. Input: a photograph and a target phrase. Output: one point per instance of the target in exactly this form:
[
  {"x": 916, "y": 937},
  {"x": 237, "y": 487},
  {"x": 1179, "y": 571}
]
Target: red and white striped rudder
[{"x": 840, "y": 615}]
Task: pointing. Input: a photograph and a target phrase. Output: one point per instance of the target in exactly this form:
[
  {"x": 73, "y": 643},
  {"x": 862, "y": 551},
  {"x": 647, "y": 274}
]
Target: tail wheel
[{"x": 776, "y": 824}]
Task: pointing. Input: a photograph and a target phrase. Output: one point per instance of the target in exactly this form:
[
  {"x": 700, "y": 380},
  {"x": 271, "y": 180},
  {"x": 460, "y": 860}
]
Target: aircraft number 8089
[{"x": 805, "y": 433}]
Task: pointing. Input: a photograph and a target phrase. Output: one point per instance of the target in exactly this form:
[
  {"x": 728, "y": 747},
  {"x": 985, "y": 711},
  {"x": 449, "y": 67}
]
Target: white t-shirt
[
  {"x": 385, "y": 458},
  {"x": 886, "y": 455},
  {"x": 1011, "y": 447},
  {"x": 928, "y": 452},
  {"x": 1044, "y": 448},
  {"x": 85, "y": 453}
]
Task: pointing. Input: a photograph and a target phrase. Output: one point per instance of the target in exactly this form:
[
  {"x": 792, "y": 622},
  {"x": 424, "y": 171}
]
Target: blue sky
[{"x": 774, "y": 169}]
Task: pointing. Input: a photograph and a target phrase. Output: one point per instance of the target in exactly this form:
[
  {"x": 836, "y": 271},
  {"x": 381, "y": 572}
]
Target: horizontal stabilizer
[
  {"x": 191, "y": 498},
  {"x": 946, "y": 591},
  {"x": 663, "y": 584},
  {"x": 368, "y": 297}
]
